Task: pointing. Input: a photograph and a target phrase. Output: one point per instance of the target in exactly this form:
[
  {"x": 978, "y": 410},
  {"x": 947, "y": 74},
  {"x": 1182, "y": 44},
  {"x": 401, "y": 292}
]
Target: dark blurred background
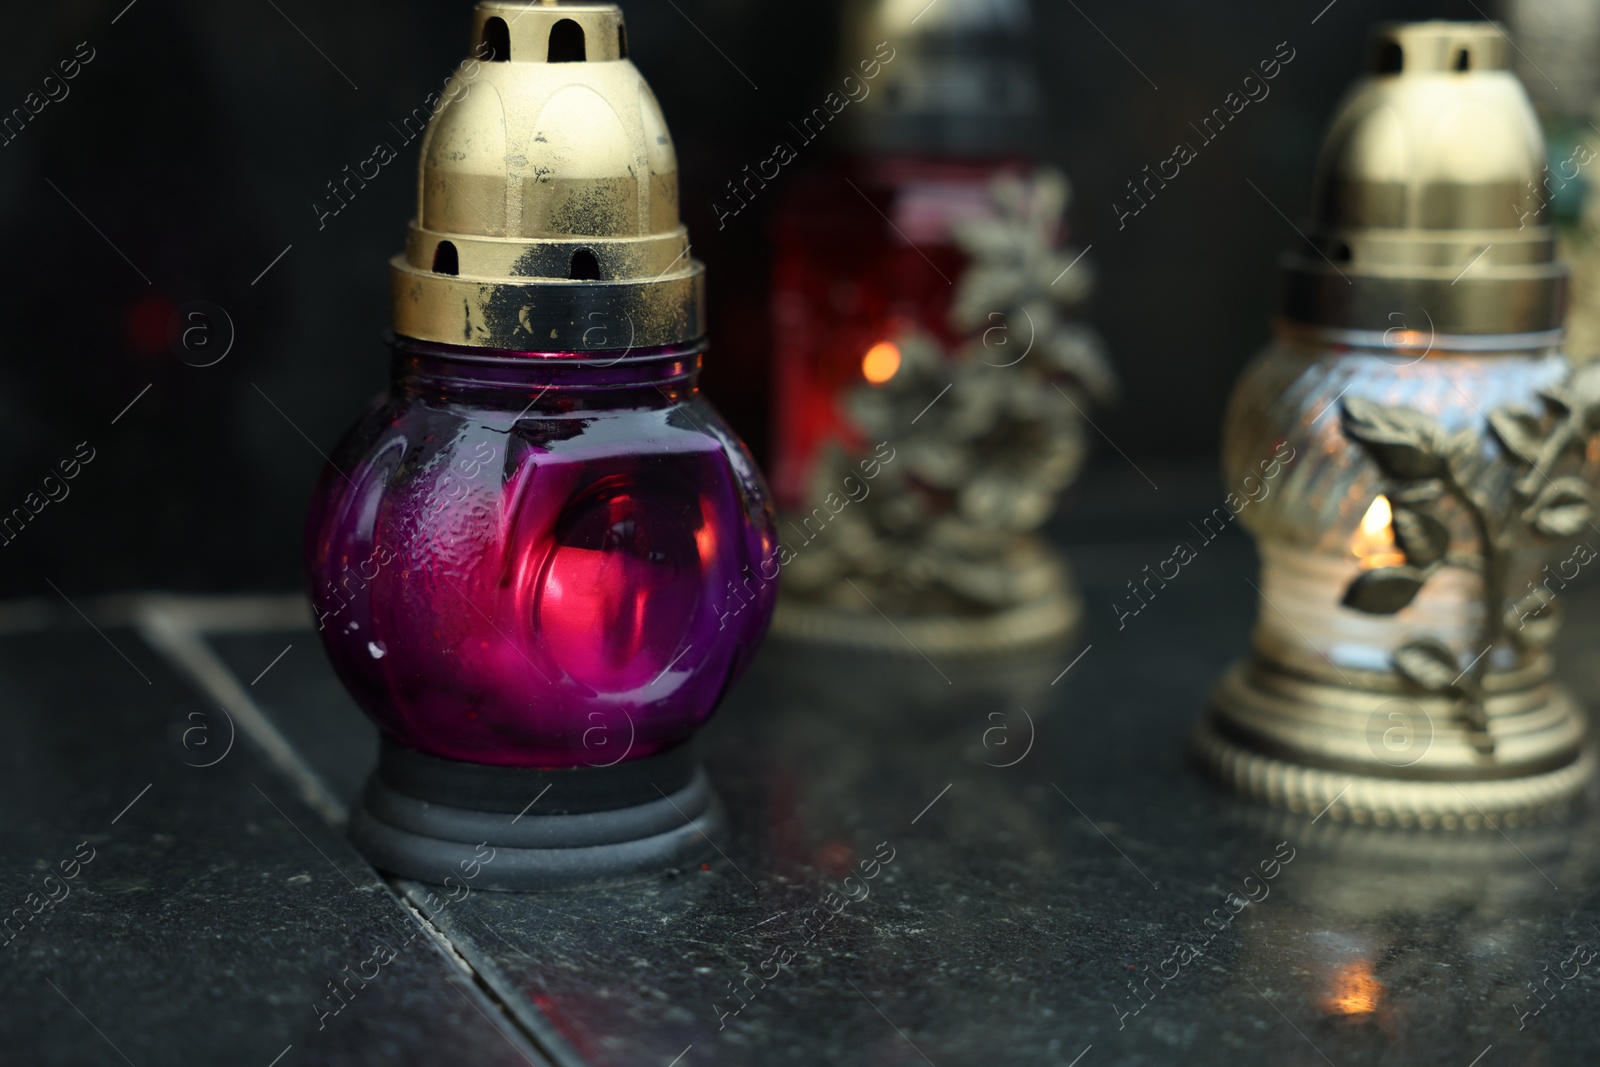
[{"x": 189, "y": 150}]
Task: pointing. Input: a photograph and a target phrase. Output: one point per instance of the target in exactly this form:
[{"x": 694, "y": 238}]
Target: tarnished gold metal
[
  {"x": 1426, "y": 194},
  {"x": 1305, "y": 744},
  {"x": 547, "y": 203}
]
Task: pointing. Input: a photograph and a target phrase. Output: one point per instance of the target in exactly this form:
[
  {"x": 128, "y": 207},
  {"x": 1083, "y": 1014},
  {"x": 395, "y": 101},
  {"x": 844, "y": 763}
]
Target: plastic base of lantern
[
  {"x": 1368, "y": 753},
  {"x": 519, "y": 829}
]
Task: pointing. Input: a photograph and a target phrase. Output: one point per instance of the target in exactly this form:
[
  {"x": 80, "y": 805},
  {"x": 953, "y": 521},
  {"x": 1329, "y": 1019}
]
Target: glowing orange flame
[
  {"x": 880, "y": 362},
  {"x": 1373, "y": 544},
  {"x": 1355, "y": 990}
]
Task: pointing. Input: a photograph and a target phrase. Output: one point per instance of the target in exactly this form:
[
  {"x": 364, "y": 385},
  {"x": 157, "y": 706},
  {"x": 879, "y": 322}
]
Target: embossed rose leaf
[
  {"x": 1406, "y": 444},
  {"x": 1421, "y": 536},
  {"x": 1428, "y": 664},
  {"x": 1520, "y": 430},
  {"x": 1533, "y": 621},
  {"x": 1386, "y": 590},
  {"x": 1561, "y": 509}
]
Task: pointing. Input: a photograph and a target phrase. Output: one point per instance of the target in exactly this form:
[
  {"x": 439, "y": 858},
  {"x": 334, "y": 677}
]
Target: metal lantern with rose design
[
  {"x": 1412, "y": 557},
  {"x": 942, "y": 553},
  {"x": 931, "y": 374}
]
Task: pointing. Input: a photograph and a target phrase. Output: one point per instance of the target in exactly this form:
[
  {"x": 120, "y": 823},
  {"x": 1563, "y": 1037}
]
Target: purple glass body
[{"x": 541, "y": 559}]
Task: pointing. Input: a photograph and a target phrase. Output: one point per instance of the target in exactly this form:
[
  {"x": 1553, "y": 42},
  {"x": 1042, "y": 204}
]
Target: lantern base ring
[
  {"x": 547, "y": 846},
  {"x": 1305, "y": 756},
  {"x": 1044, "y": 622}
]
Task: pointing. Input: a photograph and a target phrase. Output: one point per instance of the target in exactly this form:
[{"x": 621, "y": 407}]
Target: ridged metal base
[
  {"x": 1315, "y": 748},
  {"x": 1390, "y": 801},
  {"x": 1050, "y": 619}
]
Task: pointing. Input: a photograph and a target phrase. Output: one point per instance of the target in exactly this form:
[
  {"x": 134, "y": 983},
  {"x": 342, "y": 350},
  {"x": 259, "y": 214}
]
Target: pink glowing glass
[{"x": 541, "y": 559}]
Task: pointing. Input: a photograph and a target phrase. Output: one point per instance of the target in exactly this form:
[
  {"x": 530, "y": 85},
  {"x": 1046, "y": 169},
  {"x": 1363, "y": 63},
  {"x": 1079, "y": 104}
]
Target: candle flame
[
  {"x": 880, "y": 363},
  {"x": 1373, "y": 543},
  {"x": 1355, "y": 990}
]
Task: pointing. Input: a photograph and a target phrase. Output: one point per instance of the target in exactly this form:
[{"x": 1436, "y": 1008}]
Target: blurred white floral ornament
[{"x": 943, "y": 554}]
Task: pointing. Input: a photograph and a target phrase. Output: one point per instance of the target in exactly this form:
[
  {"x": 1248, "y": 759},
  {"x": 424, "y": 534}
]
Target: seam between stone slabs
[
  {"x": 497, "y": 985},
  {"x": 175, "y": 628},
  {"x": 491, "y": 993},
  {"x": 170, "y": 630}
]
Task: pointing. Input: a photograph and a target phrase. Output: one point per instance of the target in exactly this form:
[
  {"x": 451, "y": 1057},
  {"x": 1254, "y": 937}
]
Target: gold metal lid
[
  {"x": 547, "y": 202},
  {"x": 1426, "y": 194}
]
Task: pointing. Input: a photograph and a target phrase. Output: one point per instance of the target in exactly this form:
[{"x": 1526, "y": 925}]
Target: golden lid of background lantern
[
  {"x": 1427, "y": 196},
  {"x": 547, "y": 202}
]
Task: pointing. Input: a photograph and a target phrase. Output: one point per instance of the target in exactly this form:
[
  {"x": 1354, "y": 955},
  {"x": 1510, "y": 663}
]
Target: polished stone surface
[
  {"x": 1009, "y": 927},
  {"x": 214, "y": 906},
  {"x": 1050, "y": 880}
]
